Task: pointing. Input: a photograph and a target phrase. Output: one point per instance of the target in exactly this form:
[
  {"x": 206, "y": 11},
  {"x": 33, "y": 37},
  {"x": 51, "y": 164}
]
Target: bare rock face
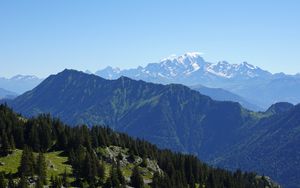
[{"x": 115, "y": 153}]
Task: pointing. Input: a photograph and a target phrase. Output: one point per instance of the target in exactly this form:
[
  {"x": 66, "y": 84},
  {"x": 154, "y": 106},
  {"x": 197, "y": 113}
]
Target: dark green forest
[{"x": 80, "y": 144}]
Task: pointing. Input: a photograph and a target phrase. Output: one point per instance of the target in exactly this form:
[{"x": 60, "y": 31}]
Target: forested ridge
[{"x": 81, "y": 145}]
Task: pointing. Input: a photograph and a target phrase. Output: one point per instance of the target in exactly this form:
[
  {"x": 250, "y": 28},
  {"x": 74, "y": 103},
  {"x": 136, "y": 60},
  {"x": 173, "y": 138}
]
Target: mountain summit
[
  {"x": 186, "y": 66},
  {"x": 171, "y": 116},
  {"x": 176, "y": 117},
  {"x": 244, "y": 79}
]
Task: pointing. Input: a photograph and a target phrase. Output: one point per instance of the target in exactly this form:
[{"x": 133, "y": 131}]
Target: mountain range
[
  {"x": 243, "y": 79},
  {"x": 100, "y": 157},
  {"x": 20, "y": 83},
  {"x": 272, "y": 148},
  {"x": 7, "y": 94},
  {"x": 220, "y": 94},
  {"x": 174, "y": 116}
]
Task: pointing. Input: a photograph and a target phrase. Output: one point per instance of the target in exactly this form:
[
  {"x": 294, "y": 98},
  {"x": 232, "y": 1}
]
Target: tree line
[{"x": 43, "y": 134}]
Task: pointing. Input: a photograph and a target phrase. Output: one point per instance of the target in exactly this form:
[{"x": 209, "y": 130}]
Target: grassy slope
[
  {"x": 56, "y": 164},
  {"x": 10, "y": 163}
]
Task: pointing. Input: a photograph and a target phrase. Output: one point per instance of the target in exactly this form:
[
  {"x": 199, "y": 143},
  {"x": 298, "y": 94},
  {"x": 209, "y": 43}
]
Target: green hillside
[
  {"x": 57, "y": 164},
  {"x": 171, "y": 116},
  {"x": 174, "y": 117},
  {"x": 49, "y": 152}
]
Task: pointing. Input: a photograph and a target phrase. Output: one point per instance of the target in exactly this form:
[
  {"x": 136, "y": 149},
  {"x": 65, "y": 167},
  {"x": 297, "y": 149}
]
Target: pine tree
[
  {"x": 211, "y": 182},
  {"x": 41, "y": 168},
  {"x": 39, "y": 183},
  {"x": 3, "y": 182},
  {"x": 5, "y": 147},
  {"x": 144, "y": 162},
  {"x": 56, "y": 182},
  {"x": 27, "y": 163},
  {"x": 88, "y": 169},
  {"x": 101, "y": 171},
  {"x": 108, "y": 183},
  {"x": 23, "y": 182},
  {"x": 12, "y": 143},
  {"x": 33, "y": 137},
  {"x": 136, "y": 179},
  {"x": 192, "y": 182},
  {"x": 156, "y": 180},
  {"x": 65, "y": 180},
  {"x": 52, "y": 181},
  {"x": 131, "y": 157},
  {"x": 114, "y": 179},
  {"x": 120, "y": 174},
  {"x": 94, "y": 166},
  {"x": 11, "y": 183}
]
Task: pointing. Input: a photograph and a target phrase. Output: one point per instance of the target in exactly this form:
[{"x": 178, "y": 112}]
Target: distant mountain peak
[
  {"x": 24, "y": 77},
  {"x": 88, "y": 72},
  {"x": 248, "y": 65},
  {"x": 193, "y": 54},
  {"x": 280, "y": 107},
  {"x": 180, "y": 69},
  {"x": 124, "y": 78},
  {"x": 70, "y": 71},
  {"x": 19, "y": 83},
  {"x": 170, "y": 57},
  {"x": 186, "y": 55}
]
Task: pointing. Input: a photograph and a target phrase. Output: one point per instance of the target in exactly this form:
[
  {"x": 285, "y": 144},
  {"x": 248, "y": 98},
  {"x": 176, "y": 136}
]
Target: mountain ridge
[
  {"x": 220, "y": 94},
  {"x": 186, "y": 64},
  {"x": 19, "y": 83},
  {"x": 172, "y": 116},
  {"x": 100, "y": 157},
  {"x": 242, "y": 79},
  {"x": 5, "y": 94}
]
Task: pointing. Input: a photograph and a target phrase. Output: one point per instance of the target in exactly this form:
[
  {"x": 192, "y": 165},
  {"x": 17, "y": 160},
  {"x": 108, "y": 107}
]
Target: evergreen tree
[
  {"x": 144, "y": 162},
  {"x": 52, "y": 180},
  {"x": 3, "y": 182},
  {"x": 41, "y": 168},
  {"x": 39, "y": 183},
  {"x": 101, "y": 171},
  {"x": 23, "y": 183},
  {"x": 5, "y": 146},
  {"x": 156, "y": 180},
  {"x": 108, "y": 183},
  {"x": 120, "y": 174},
  {"x": 131, "y": 157},
  {"x": 26, "y": 167},
  {"x": 89, "y": 173},
  {"x": 65, "y": 180},
  {"x": 192, "y": 182},
  {"x": 11, "y": 183},
  {"x": 12, "y": 143},
  {"x": 33, "y": 136},
  {"x": 211, "y": 182},
  {"x": 114, "y": 178},
  {"x": 56, "y": 182},
  {"x": 136, "y": 179}
]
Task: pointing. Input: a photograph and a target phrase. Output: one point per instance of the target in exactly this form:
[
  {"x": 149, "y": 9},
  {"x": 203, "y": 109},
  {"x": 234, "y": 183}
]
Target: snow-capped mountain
[
  {"x": 243, "y": 70},
  {"x": 109, "y": 73},
  {"x": 187, "y": 66},
  {"x": 24, "y": 77},
  {"x": 19, "y": 83},
  {"x": 254, "y": 84}
]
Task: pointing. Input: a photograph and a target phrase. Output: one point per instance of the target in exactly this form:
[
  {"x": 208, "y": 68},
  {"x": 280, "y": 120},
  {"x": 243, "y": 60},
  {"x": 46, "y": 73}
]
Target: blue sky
[{"x": 44, "y": 37}]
